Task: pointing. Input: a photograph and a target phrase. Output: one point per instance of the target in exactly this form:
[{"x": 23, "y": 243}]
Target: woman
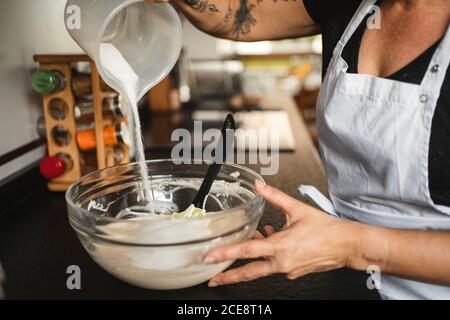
[{"x": 383, "y": 122}]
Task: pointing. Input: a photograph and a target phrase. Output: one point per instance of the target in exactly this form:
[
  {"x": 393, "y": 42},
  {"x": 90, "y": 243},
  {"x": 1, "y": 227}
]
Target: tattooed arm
[{"x": 248, "y": 20}]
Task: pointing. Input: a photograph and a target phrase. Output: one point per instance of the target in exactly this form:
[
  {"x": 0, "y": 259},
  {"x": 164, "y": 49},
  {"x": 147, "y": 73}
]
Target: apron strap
[
  {"x": 361, "y": 13},
  {"x": 314, "y": 195},
  {"x": 437, "y": 70}
]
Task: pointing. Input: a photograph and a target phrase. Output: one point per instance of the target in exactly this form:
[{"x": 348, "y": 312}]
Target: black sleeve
[
  {"x": 332, "y": 17},
  {"x": 324, "y": 12}
]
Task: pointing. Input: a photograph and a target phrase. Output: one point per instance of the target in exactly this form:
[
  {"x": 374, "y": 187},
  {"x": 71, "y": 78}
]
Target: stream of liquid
[{"x": 118, "y": 67}]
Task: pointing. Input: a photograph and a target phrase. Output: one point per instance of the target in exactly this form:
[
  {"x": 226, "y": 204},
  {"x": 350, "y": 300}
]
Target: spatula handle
[{"x": 214, "y": 168}]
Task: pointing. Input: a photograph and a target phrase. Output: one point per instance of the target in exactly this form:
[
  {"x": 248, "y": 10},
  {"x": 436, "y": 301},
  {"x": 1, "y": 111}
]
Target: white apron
[{"x": 374, "y": 138}]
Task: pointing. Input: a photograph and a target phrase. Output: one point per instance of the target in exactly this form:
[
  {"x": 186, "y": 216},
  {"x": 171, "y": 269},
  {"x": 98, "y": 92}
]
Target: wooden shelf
[{"x": 105, "y": 154}]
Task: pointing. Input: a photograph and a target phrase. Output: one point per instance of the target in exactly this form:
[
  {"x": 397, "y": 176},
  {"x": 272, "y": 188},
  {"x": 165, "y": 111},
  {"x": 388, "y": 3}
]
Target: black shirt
[{"x": 333, "y": 17}]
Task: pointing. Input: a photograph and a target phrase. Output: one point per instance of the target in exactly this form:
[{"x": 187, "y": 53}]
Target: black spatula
[{"x": 224, "y": 145}]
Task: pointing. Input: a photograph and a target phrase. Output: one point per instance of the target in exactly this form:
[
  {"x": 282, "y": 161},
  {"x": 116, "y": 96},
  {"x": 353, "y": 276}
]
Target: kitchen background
[
  {"x": 209, "y": 70},
  {"x": 266, "y": 84}
]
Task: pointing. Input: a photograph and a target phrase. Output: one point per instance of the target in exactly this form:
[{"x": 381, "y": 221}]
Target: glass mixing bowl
[{"x": 156, "y": 251}]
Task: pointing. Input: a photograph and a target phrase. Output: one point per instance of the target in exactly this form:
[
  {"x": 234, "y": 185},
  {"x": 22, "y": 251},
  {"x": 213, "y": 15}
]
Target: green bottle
[{"x": 46, "y": 81}]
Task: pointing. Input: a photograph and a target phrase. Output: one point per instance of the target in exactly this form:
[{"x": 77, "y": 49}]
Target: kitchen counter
[{"x": 37, "y": 245}]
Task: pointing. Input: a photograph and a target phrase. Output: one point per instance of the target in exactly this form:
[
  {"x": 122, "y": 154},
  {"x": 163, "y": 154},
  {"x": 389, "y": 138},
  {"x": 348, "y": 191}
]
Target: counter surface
[{"x": 37, "y": 245}]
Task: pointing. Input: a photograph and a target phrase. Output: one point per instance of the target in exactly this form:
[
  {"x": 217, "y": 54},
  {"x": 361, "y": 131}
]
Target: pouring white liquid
[{"x": 118, "y": 67}]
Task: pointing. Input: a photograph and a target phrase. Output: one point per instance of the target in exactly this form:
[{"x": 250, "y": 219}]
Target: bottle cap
[
  {"x": 45, "y": 81},
  {"x": 52, "y": 167}
]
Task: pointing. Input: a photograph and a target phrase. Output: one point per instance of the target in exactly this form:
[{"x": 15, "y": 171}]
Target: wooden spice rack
[{"x": 105, "y": 154}]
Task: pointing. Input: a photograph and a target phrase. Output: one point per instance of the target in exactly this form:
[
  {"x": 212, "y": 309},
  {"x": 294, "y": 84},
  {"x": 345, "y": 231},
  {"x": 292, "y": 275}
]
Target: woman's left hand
[{"x": 311, "y": 241}]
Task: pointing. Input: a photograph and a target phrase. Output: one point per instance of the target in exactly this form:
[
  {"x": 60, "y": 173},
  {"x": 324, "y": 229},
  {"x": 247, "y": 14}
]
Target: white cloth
[{"x": 374, "y": 138}]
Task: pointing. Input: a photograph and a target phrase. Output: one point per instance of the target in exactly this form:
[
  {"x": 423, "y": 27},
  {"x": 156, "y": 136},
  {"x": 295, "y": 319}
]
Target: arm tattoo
[
  {"x": 243, "y": 17},
  {"x": 201, "y": 5},
  {"x": 229, "y": 12}
]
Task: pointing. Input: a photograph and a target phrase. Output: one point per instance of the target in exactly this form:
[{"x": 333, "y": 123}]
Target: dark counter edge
[{"x": 20, "y": 186}]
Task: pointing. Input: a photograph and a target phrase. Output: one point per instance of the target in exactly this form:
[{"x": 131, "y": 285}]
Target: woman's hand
[{"x": 311, "y": 241}]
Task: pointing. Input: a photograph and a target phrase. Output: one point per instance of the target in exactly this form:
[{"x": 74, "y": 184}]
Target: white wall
[{"x": 27, "y": 27}]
